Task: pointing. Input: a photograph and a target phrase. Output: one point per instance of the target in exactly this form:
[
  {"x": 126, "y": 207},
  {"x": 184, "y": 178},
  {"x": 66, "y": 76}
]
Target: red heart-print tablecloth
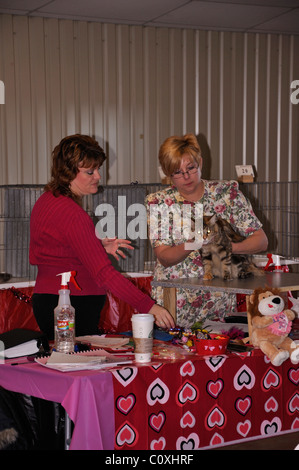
[{"x": 200, "y": 402}]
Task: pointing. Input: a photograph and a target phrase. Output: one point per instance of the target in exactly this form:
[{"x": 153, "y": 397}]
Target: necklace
[{"x": 201, "y": 193}]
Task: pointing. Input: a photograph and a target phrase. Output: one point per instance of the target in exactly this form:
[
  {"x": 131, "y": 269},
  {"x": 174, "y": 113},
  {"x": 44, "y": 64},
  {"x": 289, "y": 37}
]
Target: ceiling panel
[
  {"x": 20, "y": 6},
  {"x": 230, "y": 16},
  {"x": 273, "y": 16},
  {"x": 287, "y": 23},
  {"x": 136, "y": 10},
  {"x": 266, "y": 3}
]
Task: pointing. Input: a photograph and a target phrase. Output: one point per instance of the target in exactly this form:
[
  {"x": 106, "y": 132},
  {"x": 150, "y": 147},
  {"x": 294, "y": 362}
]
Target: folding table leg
[
  {"x": 67, "y": 432},
  {"x": 169, "y": 300}
]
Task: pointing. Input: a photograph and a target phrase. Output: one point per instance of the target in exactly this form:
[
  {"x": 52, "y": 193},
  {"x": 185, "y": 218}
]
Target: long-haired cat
[{"x": 217, "y": 257}]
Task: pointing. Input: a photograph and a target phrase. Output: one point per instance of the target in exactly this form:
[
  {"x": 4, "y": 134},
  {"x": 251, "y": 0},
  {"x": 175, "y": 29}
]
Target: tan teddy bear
[{"x": 271, "y": 325}]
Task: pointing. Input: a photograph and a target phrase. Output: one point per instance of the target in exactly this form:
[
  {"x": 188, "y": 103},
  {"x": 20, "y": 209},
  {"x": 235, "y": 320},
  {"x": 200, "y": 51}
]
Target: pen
[{"x": 28, "y": 360}]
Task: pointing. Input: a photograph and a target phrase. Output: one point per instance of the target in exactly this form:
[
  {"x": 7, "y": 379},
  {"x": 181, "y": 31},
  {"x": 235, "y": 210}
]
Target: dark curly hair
[{"x": 73, "y": 152}]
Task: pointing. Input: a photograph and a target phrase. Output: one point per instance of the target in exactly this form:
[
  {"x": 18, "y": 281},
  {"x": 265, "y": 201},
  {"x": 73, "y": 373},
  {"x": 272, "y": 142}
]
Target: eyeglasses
[
  {"x": 91, "y": 171},
  {"x": 190, "y": 170}
]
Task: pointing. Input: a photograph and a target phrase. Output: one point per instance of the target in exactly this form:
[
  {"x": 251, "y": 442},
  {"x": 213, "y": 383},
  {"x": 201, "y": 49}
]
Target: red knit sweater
[{"x": 62, "y": 238}]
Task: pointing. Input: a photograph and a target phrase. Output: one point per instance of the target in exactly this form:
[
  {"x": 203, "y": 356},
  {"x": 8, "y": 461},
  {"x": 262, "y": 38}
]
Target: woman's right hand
[
  {"x": 172, "y": 255},
  {"x": 113, "y": 245},
  {"x": 163, "y": 318}
]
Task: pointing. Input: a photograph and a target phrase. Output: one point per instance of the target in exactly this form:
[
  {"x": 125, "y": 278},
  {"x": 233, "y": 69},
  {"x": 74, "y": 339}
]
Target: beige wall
[{"x": 132, "y": 87}]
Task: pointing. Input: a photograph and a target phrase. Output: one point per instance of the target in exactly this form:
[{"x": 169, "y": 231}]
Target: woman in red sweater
[{"x": 63, "y": 238}]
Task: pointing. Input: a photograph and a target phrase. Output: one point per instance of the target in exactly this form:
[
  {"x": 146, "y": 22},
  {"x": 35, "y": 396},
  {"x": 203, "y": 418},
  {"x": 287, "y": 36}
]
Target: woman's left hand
[{"x": 113, "y": 246}]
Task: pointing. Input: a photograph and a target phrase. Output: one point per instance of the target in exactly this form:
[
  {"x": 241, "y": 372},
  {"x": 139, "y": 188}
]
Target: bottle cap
[
  {"x": 68, "y": 277},
  {"x": 274, "y": 259}
]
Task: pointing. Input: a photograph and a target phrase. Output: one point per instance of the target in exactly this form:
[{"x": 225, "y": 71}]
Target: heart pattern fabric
[
  {"x": 271, "y": 379},
  {"x": 203, "y": 402},
  {"x": 271, "y": 405},
  {"x": 156, "y": 421},
  {"x": 188, "y": 392},
  {"x": 244, "y": 427},
  {"x": 242, "y": 405},
  {"x": 214, "y": 388},
  {"x": 293, "y": 375}
]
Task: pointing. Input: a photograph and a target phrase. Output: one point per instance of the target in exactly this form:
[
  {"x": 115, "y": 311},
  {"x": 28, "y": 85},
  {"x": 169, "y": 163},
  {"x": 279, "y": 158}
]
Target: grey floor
[{"x": 283, "y": 442}]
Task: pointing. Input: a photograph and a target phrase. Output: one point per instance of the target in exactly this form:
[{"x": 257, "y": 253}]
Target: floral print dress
[{"x": 220, "y": 197}]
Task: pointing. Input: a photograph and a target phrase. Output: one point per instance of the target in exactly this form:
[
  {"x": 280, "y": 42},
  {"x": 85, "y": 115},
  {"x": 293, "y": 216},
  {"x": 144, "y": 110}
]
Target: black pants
[{"x": 87, "y": 313}]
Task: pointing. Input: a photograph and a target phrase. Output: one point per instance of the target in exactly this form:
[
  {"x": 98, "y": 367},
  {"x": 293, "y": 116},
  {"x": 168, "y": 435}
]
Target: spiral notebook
[{"x": 86, "y": 360}]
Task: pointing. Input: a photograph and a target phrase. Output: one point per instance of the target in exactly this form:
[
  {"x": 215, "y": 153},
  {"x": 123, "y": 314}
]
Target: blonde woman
[{"x": 181, "y": 161}]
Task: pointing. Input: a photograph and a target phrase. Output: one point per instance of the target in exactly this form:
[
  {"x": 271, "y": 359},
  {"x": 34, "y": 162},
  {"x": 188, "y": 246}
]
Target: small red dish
[{"x": 213, "y": 346}]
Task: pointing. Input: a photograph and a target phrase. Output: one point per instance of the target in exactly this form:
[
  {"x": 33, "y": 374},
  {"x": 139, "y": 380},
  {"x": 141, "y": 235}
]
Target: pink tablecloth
[{"x": 87, "y": 397}]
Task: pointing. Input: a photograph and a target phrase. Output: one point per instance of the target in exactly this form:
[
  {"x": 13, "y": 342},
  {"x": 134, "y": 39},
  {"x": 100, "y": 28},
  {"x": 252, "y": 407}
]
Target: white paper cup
[{"x": 143, "y": 332}]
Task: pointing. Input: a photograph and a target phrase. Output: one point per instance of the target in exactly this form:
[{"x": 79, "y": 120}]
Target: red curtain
[
  {"x": 16, "y": 310},
  {"x": 116, "y": 314}
]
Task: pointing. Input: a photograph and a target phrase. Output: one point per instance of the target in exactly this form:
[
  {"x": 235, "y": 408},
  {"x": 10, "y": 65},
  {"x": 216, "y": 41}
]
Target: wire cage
[
  {"x": 277, "y": 207},
  {"x": 16, "y": 203},
  {"x": 275, "y": 204}
]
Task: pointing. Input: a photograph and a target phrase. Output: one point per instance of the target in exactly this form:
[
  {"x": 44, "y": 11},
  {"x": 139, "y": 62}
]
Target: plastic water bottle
[
  {"x": 65, "y": 330},
  {"x": 64, "y": 316}
]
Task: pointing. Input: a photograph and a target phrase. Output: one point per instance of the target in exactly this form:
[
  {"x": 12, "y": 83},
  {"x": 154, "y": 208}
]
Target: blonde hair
[{"x": 172, "y": 150}]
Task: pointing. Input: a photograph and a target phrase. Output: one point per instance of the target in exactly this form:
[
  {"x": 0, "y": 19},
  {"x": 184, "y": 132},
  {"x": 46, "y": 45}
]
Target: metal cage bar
[{"x": 275, "y": 204}]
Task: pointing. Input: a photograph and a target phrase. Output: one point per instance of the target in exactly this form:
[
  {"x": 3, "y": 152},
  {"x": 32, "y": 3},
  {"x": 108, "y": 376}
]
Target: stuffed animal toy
[
  {"x": 294, "y": 302},
  {"x": 271, "y": 325}
]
